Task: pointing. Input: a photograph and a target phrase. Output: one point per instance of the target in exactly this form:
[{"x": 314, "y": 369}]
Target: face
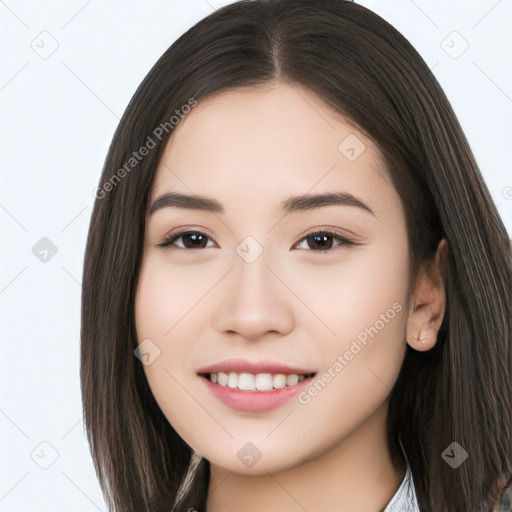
[{"x": 299, "y": 304}]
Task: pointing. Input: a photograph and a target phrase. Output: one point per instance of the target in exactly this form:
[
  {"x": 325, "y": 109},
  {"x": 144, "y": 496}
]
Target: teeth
[
  {"x": 279, "y": 381},
  {"x": 246, "y": 382},
  {"x": 292, "y": 379},
  {"x": 264, "y": 382},
  {"x": 222, "y": 378},
  {"x": 253, "y": 382},
  {"x": 233, "y": 380}
]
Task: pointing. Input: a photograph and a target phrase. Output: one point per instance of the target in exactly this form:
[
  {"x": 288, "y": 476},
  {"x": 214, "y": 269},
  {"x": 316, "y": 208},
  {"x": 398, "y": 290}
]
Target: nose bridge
[
  {"x": 252, "y": 274},
  {"x": 255, "y": 302},
  {"x": 252, "y": 288}
]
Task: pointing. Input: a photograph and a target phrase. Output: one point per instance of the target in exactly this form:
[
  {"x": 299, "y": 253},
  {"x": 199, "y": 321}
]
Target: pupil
[
  {"x": 322, "y": 240},
  {"x": 195, "y": 237}
]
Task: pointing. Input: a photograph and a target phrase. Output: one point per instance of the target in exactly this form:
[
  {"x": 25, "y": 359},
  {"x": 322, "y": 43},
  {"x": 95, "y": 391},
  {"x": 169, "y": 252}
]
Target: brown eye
[
  {"x": 190, "y": 240},
  {"x": 322, "y": 241}
]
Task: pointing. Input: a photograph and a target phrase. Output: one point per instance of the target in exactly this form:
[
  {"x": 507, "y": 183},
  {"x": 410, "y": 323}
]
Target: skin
[{"x": 251, "y": 149}]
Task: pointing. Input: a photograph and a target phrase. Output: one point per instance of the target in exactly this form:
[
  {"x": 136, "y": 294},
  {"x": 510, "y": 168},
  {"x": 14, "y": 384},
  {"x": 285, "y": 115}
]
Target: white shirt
[{"x": 404, "y": 499}]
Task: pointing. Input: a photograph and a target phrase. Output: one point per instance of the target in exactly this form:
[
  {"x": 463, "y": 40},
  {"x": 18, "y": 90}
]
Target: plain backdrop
[{"x": 68, "y": 70}]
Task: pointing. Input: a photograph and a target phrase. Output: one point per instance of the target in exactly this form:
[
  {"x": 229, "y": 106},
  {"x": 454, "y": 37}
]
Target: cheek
[
  {"x": 167, "y": 296},
  {"x": 351, "y": 295},
  {"x": 165, "y": 314},
  {"x": 172, "y": 307},
  {"x": 377, "y": 283},
  {"x": 155, "y": 304},
  {"x": 365, "y": 307},
  {"x": 362, "y": 306},
  {"x": 158, "y": 310}
]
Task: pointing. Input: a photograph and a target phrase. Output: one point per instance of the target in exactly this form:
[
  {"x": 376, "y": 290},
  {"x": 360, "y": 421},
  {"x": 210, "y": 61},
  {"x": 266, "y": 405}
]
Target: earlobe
[
  {"x": 421, "y": 333},
  {"x": 428, "y": 302}
]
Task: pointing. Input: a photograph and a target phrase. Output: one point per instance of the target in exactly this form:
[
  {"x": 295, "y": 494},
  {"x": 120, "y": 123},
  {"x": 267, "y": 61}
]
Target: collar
[{"x": 404, "y": 499}]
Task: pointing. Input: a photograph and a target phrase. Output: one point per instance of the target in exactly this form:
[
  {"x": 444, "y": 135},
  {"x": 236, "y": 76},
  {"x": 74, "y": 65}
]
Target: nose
[{"x": 254, "y": 302}]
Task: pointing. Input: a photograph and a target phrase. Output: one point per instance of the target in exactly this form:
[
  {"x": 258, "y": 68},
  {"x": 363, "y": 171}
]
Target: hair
[{"x": 368, "y": 73}]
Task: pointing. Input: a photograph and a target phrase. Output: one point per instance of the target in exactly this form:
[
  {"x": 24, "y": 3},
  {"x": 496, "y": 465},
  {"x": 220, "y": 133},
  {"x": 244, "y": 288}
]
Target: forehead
[{"x": 253, "y": 144}]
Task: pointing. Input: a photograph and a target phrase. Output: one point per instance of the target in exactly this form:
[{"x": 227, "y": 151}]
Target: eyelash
[{"x": 169, "y": 241}]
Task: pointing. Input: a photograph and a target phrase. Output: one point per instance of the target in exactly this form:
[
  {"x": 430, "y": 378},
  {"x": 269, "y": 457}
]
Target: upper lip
[{"x": 245, "y": 366}]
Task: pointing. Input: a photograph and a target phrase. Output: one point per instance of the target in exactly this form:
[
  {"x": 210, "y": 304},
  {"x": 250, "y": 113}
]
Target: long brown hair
[{"x": 364, "y": 69}]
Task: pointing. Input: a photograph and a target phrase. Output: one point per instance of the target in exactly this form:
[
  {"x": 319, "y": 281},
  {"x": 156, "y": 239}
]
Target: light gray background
[{"x": 58, "y": 116}]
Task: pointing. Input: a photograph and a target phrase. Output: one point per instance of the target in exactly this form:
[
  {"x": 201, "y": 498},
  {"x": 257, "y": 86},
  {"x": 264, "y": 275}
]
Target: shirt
[{"x": 404, "y": 499}]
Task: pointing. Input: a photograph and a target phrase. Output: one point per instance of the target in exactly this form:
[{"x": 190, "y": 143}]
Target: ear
[{"x": 428, "y": 301}]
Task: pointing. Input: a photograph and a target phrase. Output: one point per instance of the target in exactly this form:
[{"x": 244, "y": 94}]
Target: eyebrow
[{"x": 292, "y": 204}]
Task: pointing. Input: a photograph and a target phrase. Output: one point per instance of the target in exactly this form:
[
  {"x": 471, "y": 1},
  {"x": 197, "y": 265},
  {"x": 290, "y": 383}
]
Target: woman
[{"x": 296, "y": 288}]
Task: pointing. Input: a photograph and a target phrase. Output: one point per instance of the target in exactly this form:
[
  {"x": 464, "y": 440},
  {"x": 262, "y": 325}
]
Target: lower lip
[{"x": 255, "y": 401}]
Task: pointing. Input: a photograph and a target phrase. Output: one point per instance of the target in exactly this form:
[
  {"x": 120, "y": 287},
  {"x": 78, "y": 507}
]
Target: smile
[
  {"x": 255, "y": 393},
  {"x": 254, "y": 386},
  {"x": 256, "y": 382}
]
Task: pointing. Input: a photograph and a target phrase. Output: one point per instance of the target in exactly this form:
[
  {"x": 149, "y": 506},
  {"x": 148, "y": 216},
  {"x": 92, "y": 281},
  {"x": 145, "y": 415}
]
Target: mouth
[
  {"x": 256, "y": 382},
  {"x": 254, "y": 387}
]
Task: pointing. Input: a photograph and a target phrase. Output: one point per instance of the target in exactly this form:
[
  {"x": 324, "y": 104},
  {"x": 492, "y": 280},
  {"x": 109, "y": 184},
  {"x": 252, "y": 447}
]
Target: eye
[
  {"x": 322, "y": 241},
  {"x": 190, "y": 240}
]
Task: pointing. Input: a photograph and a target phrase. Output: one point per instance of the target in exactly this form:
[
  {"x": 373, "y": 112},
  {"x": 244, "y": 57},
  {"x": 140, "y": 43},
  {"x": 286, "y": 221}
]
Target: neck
[{"x": 356, "y": 474}]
